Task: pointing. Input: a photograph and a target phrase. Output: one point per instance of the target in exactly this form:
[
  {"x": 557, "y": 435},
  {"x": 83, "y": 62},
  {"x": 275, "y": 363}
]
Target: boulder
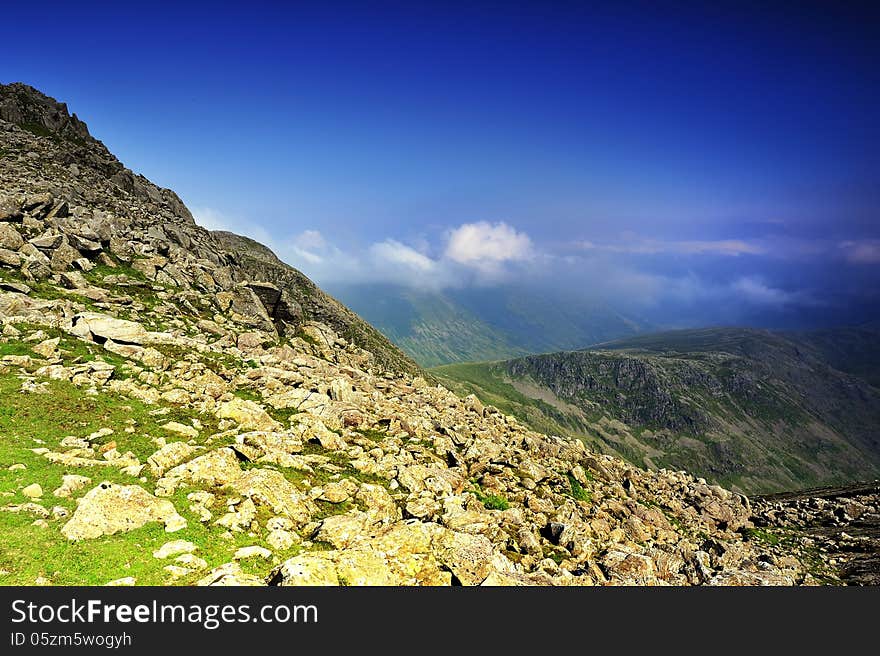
[
  {"x": 110, "y": 508},
  {"x": 33, "y": 491},
  {"x": 70, "y": 483},
  {"x": 316, "y": 568},
  {"x": 215, "y": 468},
  {"x": 249, "y": 415},
  {"x": 269, "y": 488},
  {"x": 100, "y": 327},
  {"x": 174, "y": 548},
  {"x": 169, "y": 456},
  {"x": 10, "y": 238}
]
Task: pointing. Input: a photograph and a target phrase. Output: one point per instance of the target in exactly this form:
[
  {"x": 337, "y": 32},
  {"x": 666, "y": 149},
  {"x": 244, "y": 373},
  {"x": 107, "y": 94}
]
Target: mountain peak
[{"x": 33, "y": 110}]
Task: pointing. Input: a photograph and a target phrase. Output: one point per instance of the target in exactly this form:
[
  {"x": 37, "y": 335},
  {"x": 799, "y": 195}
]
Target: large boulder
[
  {"x": 111, "y": 508},
  {"x": 100, "y": 328},
  {"x": 216, "y": 468}
]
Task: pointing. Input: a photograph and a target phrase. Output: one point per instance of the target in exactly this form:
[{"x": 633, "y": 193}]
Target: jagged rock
[
  {"x": 380, "y": 506},
  {"x": 281, "y": 540},
  {"x": 170, "y": 455},
  {"x": 47, "y": 241},
  {"x": 10, "y": 238},
  {"x": 10, "y": 210},
  {"x": 340, "y": 491},
  {"x": 47, "y": 348},
  {"x": 215, "y": 468},
  {"x": 468, "y": 557},
  {"x": 109, "y": 509},
  {"x": 311, "y": 429},
  {"x": 316, "y": 568},
  {"x": 9, "y": 258},
  {"x": 240, "y": 517},
  {"x": 342, "y": 530}
]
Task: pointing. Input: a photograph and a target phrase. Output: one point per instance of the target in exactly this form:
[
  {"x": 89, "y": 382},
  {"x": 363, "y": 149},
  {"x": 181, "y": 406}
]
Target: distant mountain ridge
[
  {"x": 753, "y": 409},
  {"x": 482, "y": 323}
]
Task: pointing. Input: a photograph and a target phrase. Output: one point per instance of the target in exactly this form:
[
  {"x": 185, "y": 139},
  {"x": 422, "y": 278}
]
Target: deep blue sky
[{"x": 641, "y": 150}]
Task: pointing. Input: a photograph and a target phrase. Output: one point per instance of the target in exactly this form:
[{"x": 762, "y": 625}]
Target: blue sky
[{"x": 663, "y": 157}]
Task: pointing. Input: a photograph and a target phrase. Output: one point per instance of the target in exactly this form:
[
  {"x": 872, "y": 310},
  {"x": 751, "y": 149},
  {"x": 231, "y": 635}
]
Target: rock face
[
  {"x": 271, "y": 418},
  {"x": 110, "y": 509}
]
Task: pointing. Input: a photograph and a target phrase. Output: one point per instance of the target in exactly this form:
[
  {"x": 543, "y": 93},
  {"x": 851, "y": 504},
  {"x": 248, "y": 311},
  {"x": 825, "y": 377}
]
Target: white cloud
[
  {"x": 484, "y": 253},
  {"x": 312, "y": 239},
  {"x": 484, "y": 244},
  {"x": 865, "y": 251},
  {"x": 393, "y": 252},
  {"x": 309, "y": 246},
  {"x": 755, "y": 290}
]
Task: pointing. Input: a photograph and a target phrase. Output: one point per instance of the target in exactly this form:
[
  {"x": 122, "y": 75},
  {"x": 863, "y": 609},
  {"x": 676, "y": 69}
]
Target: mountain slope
[
  {"x": 855, "y": 350},
  {"x": 747, "y": 408},
  {"x": 83, "y": 169},
  {"x": 473, "y": 324},
  {"x": 166, "y": 418},
  {"x": 430, "y": 326}
]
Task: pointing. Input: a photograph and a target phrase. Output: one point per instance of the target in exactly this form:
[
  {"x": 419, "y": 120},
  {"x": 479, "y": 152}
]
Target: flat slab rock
[
  {"x": 109, "y": 509},
  {"x": 100, "y": 327}
]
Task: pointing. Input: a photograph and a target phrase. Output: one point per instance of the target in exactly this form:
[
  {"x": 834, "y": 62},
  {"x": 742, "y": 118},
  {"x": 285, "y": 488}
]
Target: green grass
[
  {"x": 489, "y": 501},
  {"x": 26, "y": 551},
  {"x": 762, "y": 535},
  {"x": 577, "y": 490},
  {"x": 372, "y": 434}
]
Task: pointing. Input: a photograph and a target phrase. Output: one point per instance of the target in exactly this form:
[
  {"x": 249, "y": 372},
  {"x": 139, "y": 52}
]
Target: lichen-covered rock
[
  {"x": 109, "y": 509},
  {"x": 269, "y": 488},
  {"x": 250, "y": 416}
]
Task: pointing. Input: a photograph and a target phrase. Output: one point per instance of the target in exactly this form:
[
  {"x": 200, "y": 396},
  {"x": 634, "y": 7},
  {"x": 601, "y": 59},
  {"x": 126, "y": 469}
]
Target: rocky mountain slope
[
  {"x": 179, "y": 408},
  {"x": 746, "y": 408},
  {"x": 840, "y": 523}
]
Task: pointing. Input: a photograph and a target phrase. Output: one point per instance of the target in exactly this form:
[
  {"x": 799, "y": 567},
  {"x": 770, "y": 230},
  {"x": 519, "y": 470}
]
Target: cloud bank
[{"x": 672, "y": 279}]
